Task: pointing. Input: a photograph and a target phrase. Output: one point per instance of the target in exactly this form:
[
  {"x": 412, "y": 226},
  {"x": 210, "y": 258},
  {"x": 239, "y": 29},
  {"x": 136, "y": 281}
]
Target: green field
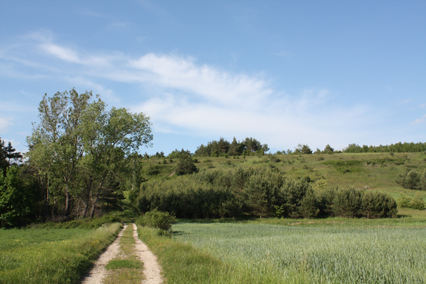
[
  {"x": 326, "y": 254},
  {"x": 43, "y": 255}
]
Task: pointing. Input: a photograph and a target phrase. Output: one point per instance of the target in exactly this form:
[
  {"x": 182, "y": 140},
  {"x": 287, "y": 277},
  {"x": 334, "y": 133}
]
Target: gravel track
[{"x": 152, "y": 270}]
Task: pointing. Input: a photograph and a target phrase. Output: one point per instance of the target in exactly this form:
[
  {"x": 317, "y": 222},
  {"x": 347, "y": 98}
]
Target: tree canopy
[{"x": 80, "y": 145}]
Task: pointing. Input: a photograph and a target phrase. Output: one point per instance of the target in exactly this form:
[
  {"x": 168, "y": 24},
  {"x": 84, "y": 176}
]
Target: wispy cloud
[
  {"x": 4, "y": 124},
  {"x": 420, "y": 120},
  {"x": 200, "y": 99}
]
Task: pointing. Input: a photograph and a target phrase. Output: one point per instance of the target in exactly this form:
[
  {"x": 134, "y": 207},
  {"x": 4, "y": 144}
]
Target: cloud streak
[
  {"x": 420, "y": 120},
  {"x": 203, "y": 100},
  {"x": 4, "y": 124}
]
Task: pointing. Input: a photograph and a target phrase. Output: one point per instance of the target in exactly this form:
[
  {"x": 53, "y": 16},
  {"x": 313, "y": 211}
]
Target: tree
[
  {"x": 235, "y": 148},
  {"x": 3, "y": 160},
  {"x": 328, "y": 149},
  {"x": 16, "y": 199},
  {"x": 79, "y": 144},
  {"x": 303, "y": 149},
  {"x": 186, "y": 166}
]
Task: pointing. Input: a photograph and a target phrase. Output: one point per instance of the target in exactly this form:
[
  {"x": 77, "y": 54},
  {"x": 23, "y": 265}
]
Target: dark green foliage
[
  {"x": 309, "y": 206},
  {"x": 186, "y": 166},
  {"x": 221, "y": 148},
  {"x": 422, "y": 183},
  {"x": 153, "y": 170},
  {"x": 159, "y": 220},
  {"x": 257, "y": 192},
  {"x": 347, "y": 202},
  {"x": 176, "y": 154},
  {"x": 8, "y": 156},
  {"x": 3, "y": 161},
  {"x": 328, "y": 149},
  {"x": 393, "y": 148},
  {"x": 352, "y": 202},
  {"x": 412, "y": 179},
  {"x": 303, "y": 149},
  {"x": 17, "y": 200}
]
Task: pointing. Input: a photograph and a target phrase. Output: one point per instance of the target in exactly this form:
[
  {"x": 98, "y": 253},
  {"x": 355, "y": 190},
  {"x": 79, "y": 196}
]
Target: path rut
[{"x": 152, "y": 269}]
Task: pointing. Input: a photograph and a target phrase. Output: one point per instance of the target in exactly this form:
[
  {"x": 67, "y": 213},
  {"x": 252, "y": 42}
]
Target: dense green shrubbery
[
  {"x": 159, "y": 220},
  {"x": 17, "y": 199},
  {"x": 414, "y": 203},
  {"x": 352, "y": 202},
  {"x": 412, "y": 179},
  {"x": 258, "y": 192},
  {"x": 397, "y": 148}
]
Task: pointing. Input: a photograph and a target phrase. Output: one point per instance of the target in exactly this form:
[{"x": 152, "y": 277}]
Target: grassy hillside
[{"x": 376, "y": 171}]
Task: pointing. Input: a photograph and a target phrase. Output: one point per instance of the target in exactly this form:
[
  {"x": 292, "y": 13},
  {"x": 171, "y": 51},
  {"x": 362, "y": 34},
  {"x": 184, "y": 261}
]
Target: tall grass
[
  {"x": 51, "y": 255},
  {"x": 313, "y": 255}
]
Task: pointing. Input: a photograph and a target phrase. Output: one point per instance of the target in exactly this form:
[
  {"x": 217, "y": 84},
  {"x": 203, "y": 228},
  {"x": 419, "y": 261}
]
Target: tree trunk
[
  {"x": 94, "y": 203},
  {"x": 86, "y": 206},
  {"x": 67, "y": 201}
]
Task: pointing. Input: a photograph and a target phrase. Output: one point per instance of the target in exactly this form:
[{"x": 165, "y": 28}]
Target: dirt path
[
  {"x": 152, "y": 269},
  {"x": 98, "y": 271}
]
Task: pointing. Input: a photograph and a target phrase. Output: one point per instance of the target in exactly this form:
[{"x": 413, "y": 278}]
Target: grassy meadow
[
  {"x": 319, "y": 250},
  {"x": 374, "y": 170},
  {"x": 51, "y": 255}
]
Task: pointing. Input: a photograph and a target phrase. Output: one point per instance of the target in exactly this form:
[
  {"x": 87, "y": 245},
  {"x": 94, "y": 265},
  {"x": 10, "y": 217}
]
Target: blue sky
[{"x": 283, "y": 72}]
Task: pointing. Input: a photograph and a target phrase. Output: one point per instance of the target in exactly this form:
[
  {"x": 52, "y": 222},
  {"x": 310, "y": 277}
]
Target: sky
[{"x": 283, "y": 72}]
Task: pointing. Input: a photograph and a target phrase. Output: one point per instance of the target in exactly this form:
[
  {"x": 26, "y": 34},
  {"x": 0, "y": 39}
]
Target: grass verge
[{"x": 51, "y": 255}]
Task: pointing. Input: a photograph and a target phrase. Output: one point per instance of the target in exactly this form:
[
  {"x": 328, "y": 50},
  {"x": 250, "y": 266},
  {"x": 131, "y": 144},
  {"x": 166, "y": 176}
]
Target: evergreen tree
[
  {"x": 3, "y": 160},
  {"x": 186, "y": 166}
]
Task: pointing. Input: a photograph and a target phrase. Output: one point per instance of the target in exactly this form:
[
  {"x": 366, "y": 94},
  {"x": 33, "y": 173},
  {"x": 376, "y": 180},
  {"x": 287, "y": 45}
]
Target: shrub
[
  {"x": 309, "y": 206},
  {"x": 414, "y": 203},
  {"x": 159, "y": 220},
  {"x": 412, "y": 180},
  {"x": 186, "y": 166}
]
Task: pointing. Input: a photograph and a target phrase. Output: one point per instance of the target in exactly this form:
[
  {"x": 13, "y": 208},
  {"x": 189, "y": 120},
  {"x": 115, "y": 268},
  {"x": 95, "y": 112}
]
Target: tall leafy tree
[{"x": 78, "y": 144}]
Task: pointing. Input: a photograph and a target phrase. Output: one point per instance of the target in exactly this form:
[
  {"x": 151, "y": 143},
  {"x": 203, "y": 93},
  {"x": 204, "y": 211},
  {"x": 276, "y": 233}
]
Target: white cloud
[
  {"x": 204, "y": 100},
  {"x": 4, "y": 124},
  {"x": 61, "y": 52},
  {"x": 420, "y": 120}
]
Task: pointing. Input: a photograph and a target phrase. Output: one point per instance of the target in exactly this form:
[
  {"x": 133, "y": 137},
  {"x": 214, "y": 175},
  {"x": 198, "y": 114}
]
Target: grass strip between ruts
[{"x": 126, "y": 267}]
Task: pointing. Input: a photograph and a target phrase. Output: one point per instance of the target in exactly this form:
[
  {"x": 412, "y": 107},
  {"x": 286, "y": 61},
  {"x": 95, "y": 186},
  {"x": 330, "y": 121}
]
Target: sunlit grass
[
  {"x": 51, "y": 255},
  {"x": 321, "y": 254}
]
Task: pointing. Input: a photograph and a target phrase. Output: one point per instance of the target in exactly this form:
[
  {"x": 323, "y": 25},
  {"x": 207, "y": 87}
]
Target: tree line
[
  {"x": 222, "y": 147},
  {"x": 396, "y": 148}
]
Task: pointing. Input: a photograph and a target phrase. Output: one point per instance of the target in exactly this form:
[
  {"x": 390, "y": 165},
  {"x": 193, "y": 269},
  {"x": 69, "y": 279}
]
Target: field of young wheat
[{"x": 287, "y": 254}]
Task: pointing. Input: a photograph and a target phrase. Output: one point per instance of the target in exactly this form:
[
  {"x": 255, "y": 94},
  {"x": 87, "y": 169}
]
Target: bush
[
  {"x": 414, "y": 203},
  {"x": 412, "y": 180},
  {"x": 186, "y": 166},
  {"x": 352, "y": 202},
  {"x": 159, "y": 220}
]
